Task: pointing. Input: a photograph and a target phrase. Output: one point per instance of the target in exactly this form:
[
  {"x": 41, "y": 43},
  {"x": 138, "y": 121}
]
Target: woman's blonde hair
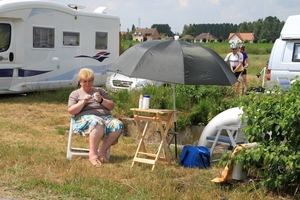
[{"x": 85, "y": 73}]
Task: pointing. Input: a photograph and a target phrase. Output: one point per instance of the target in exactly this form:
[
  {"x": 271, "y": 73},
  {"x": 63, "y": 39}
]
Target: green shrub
[
  {"x": 274, "y": 123},
  {"x": 197, "y": 105},
  {"x": 264, "y": 41}
]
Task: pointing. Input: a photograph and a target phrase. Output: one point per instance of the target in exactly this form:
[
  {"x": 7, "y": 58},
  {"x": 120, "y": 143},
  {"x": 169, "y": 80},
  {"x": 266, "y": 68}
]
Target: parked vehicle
[
  {"x": 284, "y": 63},
  {"x": 116, "y": 82},
  {"x": 43, "y": 45}
]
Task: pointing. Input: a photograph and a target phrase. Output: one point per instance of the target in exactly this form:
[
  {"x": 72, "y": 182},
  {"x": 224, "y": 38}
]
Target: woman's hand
[
  {"x": 76, "y": 108},
  {"x": 97, "y": 96},
  {"x": 87, "y": 98}
]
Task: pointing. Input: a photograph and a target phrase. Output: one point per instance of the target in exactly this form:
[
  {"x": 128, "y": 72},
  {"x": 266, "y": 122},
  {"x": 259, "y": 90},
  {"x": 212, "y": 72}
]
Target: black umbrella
[{"x": 174, "y": 61}]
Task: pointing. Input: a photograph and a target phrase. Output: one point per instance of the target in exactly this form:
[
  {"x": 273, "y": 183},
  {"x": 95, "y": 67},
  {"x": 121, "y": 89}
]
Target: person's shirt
[
  {"x": 92, "y": 107},
  {"x": 234, "y": 59},
  {"x": 245, "y": 56}
]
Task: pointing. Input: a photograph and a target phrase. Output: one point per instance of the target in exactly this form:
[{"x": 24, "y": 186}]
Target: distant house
[
  {"x": 205, "y": 37},
  {"x": 123, "y": 32},
  {"x": 188, "y": 38},
  {"x": 240, "y": 37},
  {"x": 144, "y": 34}
]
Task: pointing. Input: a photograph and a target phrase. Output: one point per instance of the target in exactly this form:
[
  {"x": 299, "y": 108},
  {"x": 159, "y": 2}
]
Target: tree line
[{"x": 264, "y": 29}]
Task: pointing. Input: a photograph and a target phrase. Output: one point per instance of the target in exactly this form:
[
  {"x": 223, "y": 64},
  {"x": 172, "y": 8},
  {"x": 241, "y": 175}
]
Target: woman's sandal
[
  {"x": 104, "y": 159},
  {"x": 96, "y": 162}
]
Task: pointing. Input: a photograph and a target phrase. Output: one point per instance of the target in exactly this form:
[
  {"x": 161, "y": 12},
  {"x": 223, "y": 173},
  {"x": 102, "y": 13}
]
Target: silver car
[{"x": 116, "y": 82}]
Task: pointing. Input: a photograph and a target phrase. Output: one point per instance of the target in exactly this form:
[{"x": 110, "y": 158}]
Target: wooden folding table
[{"x": 159, "y": 116}]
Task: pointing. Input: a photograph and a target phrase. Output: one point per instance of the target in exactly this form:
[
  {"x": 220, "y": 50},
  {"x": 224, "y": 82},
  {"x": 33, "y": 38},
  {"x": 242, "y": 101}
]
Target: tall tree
[
  {"x": 133, "y": 28},
  {"x": 244, "y": 28},
  {"x": 268, "y": 28},
  {"x": 164, "y": 29},
  {"x": 189, "y": 30}
]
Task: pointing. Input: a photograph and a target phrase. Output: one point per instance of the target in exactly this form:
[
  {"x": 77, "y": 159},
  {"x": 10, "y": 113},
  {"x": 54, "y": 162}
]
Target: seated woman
[{"x": 91, "y": 107}]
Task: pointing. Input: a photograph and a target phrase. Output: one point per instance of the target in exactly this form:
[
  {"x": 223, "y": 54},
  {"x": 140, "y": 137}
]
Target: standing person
[
  {"x": 235, "y": 60},
  {"x": 91, "y": 107},
  {"x": 245, "y": 65}
]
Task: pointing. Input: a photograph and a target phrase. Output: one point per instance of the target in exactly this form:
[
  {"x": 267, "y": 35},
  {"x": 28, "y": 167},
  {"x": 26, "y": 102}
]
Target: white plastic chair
[
  {"x": 234, "y": 136},
  {"x": 74, "y": 151}
]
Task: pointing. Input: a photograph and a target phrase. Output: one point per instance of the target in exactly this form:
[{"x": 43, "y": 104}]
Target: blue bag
[{"x": 195, "y": 156}]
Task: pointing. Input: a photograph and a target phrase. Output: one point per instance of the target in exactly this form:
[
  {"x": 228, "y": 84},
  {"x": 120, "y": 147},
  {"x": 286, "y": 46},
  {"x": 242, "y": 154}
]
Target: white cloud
[
  {"x": 183, "y": 3},
  {"x": 215, "y": 2}
]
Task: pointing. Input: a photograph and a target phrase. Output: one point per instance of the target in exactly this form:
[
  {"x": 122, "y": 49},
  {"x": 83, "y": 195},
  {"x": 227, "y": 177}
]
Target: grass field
[
  {"x": 34, "y": 165},
  {"x": 33, "y": 142}
]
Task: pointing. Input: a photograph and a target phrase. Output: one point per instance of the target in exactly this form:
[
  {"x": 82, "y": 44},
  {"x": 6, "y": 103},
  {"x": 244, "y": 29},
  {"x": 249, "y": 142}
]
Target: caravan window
[
  {"x": 296, "y": 55},
  {"x": 71, "y": 39},
  {"x": 101, "y": 40},
  {"x": 5, "y": 34},
  {"x": 43, "y": 37}
]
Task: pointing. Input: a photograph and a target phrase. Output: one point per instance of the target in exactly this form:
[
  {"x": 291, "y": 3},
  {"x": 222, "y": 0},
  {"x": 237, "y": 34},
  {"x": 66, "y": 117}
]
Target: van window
[
  {"x": 5, "y": 35},
  {"x": 296, "y": 55},
  {"x": 70, "y": 39},
  {"x": 101, "y": 40},
  {"x": 43, "y": 37}
]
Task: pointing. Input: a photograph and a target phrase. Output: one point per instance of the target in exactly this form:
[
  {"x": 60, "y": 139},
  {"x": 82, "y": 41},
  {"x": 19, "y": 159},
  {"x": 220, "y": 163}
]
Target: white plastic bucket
[{"x": 238, "y": 173}]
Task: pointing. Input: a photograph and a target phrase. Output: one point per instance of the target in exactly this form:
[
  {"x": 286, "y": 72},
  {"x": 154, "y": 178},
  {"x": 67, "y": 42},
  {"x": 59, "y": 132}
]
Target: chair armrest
[{"x": 231, "y": 127}]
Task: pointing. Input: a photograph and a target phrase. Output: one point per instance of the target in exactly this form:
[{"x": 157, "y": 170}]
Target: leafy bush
[
  {"x": 274, "y": 123},
  {"x": 264, "y": 41},
  {"x": 197, "y": 105}
]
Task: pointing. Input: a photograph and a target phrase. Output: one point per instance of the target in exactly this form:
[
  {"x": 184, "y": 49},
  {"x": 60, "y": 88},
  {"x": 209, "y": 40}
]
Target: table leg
[
  {"x": 140, "y": 132},
  {"x": 141, "y": 143},
  {"x": 163, "y": 142}
]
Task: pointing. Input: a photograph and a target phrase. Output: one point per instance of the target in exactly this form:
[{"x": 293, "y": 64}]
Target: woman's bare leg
[
  {"x": 94, "y": 140},
  {"x": 111, "y": 138},
  {"x": 237, "y": 87},
  {"x": 245, "y": 81}
]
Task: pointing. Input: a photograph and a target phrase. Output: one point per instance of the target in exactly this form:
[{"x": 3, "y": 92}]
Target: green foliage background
[
  {"x": 196, "y": 104},
  {"x": 273, "y": 121},
  {"x": 266, "y": 30}
]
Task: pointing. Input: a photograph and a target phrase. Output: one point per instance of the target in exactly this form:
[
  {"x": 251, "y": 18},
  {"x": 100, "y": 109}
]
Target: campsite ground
[{"x": 33, "y": 142}]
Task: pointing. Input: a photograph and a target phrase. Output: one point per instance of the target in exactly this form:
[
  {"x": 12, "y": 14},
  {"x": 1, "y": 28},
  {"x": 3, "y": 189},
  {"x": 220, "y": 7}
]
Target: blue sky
[{"x": 177, "y": 13}]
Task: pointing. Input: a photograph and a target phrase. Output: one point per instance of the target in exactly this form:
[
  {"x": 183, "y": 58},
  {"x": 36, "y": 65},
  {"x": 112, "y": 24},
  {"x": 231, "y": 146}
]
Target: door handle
[{"x": 11, "y": 56}]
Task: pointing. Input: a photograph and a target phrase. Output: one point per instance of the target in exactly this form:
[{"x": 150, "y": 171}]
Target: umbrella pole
[{"x": 175, "y": 120}]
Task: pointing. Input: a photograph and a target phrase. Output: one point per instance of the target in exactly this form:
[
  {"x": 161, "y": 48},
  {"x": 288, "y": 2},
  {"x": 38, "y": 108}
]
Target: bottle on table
[{"x": 141, "y": 102}]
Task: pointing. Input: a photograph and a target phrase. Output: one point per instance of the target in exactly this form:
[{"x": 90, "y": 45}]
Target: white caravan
[
  {"x": 284, "y": 63},
  {"x": 43, "y": 45}
]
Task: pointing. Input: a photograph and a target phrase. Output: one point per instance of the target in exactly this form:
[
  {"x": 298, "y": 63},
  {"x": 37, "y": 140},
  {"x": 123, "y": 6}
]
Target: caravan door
[{"x": 6, "y": 54}]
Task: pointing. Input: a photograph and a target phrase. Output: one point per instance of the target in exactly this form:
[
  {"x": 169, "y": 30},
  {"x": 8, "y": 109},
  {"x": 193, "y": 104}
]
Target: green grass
[
  {"x": 33, "y": 141},
  {"x": 251, "y": 48}
]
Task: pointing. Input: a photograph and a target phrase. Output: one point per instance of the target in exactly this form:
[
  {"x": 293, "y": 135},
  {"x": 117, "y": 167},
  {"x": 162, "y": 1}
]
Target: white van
[
  {"x": 284, "y": 63},
  {"x": 43, "y": 44}
]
